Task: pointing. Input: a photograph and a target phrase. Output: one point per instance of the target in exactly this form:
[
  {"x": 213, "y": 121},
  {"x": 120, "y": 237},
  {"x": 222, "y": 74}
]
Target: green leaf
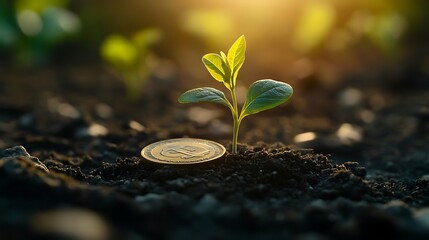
[
  {"x": 144, "y": 38},
  {"x": 224, "y": 58},
  {"x": 119, "y": 52},
  {"x": 205, "y": 94},
  {"x": 236, "y": 56},
  {"x": 265, "y": 94},
  {"x": 217, "y": 67}
]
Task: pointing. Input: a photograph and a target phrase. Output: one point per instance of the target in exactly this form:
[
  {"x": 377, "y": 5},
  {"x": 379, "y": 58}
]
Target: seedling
[
  {"x": 262, "y": 94},
  {"x": 129, "y": 57}
]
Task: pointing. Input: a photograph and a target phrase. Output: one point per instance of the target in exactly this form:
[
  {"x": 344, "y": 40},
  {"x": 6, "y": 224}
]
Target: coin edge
[{"x": 151, "y": 146}]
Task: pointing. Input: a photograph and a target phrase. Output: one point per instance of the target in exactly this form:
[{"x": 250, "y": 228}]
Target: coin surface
[{"x": 183, "y": 151}]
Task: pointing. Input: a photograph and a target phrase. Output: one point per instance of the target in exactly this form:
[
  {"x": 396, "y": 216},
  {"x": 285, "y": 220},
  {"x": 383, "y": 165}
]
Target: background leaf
[
  {"x": 265, "y": 94},
  {"x": 205, "y": 94},
  {"x": 119, "y": 52}
]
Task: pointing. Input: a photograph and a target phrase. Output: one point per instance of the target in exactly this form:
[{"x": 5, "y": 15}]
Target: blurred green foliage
[
  {"x": 130, "y": 58},
  {"x": 40, "y": 5},
  {"x": 328, "y": 35},
  {"x": 29, "y": 30}
]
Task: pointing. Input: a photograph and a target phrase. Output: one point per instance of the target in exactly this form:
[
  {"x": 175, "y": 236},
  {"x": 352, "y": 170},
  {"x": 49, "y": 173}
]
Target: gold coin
[{"x": 183, "y": 151}]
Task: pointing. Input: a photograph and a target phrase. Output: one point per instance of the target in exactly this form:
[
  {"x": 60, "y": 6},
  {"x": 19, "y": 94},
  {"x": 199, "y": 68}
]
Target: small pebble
[
  {"x": 422, "y": 216},
  {"x": 93, "y": 130},
  {"x": 103, "y": 110},
  {"x": 367, "y": 116},
  {"x": 425, "y": 177},
  {"x": 26, "y": 120},
  {"x": 206, "y": 204},
  {"x": 19, "y": 153},
  {"x": 179, "y": 183},
  {"x": 351, "y": 97},
  {"x": 97, "y": 130},
  {"x": 136, "y": 126},
  {"x": 304, "y": 137},
  {"x": 355, "y": 168},
  {"x": 349, "y": 134},
  {"x": 71, "y": 224},
  {"x": 68, "y": 110},
  {"x": 398, "y": 207},
  {"x": 148, "y": 198}
]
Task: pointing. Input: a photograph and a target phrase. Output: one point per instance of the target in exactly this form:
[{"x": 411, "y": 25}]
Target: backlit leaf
[
  {"x": 216, "y": 67},
  {"x": 223, "y": 55},
  {"x": 265, "y": 94},
  {"x": 236, "y": 55}
]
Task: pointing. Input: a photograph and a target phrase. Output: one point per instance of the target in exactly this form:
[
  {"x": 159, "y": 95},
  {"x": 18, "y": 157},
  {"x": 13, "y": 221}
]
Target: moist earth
[{"x": 70, "y": 164}]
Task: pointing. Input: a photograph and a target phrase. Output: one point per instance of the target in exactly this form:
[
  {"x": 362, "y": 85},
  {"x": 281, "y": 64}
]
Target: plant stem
[
  {"x": 132, "y": 86},
  {"x": 236, "y": 122},
  {"x": 235, "y": 135}
]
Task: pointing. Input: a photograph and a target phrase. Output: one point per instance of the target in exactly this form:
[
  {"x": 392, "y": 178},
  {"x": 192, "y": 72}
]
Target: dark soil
[{"x": 365, "y": 175}]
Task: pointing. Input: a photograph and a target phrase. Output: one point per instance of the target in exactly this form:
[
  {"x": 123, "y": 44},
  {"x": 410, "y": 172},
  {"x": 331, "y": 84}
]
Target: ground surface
[{"x": 363, "y": 174}]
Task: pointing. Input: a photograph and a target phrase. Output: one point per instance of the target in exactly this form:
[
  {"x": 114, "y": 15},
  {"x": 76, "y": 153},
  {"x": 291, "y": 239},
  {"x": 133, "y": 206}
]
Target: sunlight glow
[
  {"x": 215, "y": 25},
  {"x": 315, "y": 23}
]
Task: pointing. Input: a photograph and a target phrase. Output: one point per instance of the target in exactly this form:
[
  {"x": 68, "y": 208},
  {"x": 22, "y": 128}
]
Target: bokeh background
[
  {"x": 72, "y": 92},
  {"x": 287, "y": 40},
  {"x": 340, "y": 56}
]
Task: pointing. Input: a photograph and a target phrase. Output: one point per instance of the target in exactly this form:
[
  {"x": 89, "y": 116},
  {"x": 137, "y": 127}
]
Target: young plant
[
  {"x": 262, "y": 94},
  {"x": 129, "y": 57}
]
